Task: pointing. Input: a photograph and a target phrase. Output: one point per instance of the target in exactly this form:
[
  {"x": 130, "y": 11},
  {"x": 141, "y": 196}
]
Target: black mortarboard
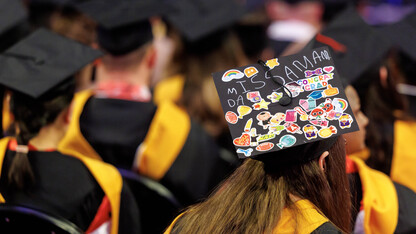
[
  {"x": 12, "y": 13},
  {"x": 402, "y": 34},
  {"x": 37, "y": 64},
  {"x": 123, "y": 25},
  {"x": 286, "y": 103},
  {"x": 198, "y": 18},
  {"x": 355, "y": 45}
]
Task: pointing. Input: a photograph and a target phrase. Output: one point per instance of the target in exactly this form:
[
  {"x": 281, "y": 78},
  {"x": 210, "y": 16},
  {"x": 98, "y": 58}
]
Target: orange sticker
[
  {"x": 250, "y": 71},
  {"x": 330, "y": 91},
  {"x": 265, "y": 146},
  {"x": 244, "y": 140}
]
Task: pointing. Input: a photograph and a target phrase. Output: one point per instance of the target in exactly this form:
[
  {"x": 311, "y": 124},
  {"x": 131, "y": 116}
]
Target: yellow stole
[
  {"x": 106, "y": 176},
  {"x": 381, "y": 205},
  {"x": 169, "y": 89}
]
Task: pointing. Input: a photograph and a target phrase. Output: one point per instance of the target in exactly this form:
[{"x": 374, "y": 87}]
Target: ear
[
  {"x": 383, "y": 76},
  {"x": 322, "y": 160},
  {"x": 66, "y": 115}
]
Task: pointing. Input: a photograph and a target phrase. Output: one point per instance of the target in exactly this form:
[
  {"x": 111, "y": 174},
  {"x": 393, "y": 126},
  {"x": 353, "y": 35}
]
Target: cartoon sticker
[
  {"x": 231, "y": 117},
  {"x": 310, "y": 131},
  {"x": 340, "y": 104},
  {"x": 248, "y": 125},
  {"x": 319, "y": 122},
  {"x": 231, "y": 75},
  {"x": 345, "y": 121},
  {"x": 294, "y": 88},
  {"x": 316, "y": 72},
  {"x": 276, "y": 129},
  {"x": 243, "y": 110},
  {"x": 327, "y": 132},
  {"x": 305, "y": 104},
  {"x": 303, "y": 115},
  {"x": 317, "y": 94},
  {"x": 317, "y": 113},
  {"x": 327, "y": 105},
  {"x": 293, "y": 128},
  {"x": 261, "y": 105},
  {"x": 246, "y": 152},
  {"x": 265, "y": 137},
  {"x": 278, "y": 118},
  {"x": 316, "y": 82},
  {"x": 328, "y": 69},
  {"x": 286, "y": 141},
  {"x": 291, "y": 116},
  {"x": 265, "y": 146},
  {"x": 250, "y": 71},
  {"x": 275, "y": 97},
  {"x": 330, "y": 91},
  {"x": 244, "y": 140},
  {"x": 272, "y": 63},
  {"x": 254, "y": 96},
  {"x": 264, "y": 118}
]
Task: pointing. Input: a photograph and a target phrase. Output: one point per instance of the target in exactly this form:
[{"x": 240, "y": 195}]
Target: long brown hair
[
  {"x": 30, "y": 116},
  {"x": 251, "y": 200}
]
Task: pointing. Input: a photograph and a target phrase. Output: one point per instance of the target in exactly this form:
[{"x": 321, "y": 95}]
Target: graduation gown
[
  {"x": 170, "y": 89},
  {"x": 86, "y": 192},
  {"x": 385, "y": 206},
  {"x": 310, "y": 220},
  {"x": 160, "y": 142}
]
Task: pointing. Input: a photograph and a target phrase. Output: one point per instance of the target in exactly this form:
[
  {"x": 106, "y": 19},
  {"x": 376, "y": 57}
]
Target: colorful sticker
[
  {"x": 340, "y": 104},
  {"x": 286, "y": 141},
  {"x": 265, "y": 137},
  {"x": 316, "y": 82},
  {"x": 246, "y": 152},
  {"x": 261, "y": 105},
  {"x": 317, "y": 113},
  {"x": 294, "y": 88},
  {"x": 345, "y": 121},
  {"x": 317, "y": 94},
  {"x": 278, "y": 118},
  {"x": 266, "y": 146},
  {"x": 304, "y": 104},
  {"x": 248, "y": 125},
  {"x": 272, "y": 63},
  {"x": 231, "y": 75},
  {"x": 328, "y": 69},
  {"x": 319, "y": 122},
  {"x": 275, "y": 97},
  {"x": 293, "y": 128},
  {"x": 330, "y": 91},
  {"x": 310, "y": 131},
  {"x": 231, "y": 117},
  {"x": 244, "y": 140},
  {"x": 264, "y": 118},
  {"x": 316, "y": 72},
  {"x": 327, "y": 132},
  {"x": 311, "y": 103},
  {"x": 276, "y": 129},
  {"x": 303, "y": 115},
  {"x": 327, "y": 105},
  {"x": 243, "y": 110},
  {"x": 250, "y": 71},
  {"x": 254, "y": 96},
  {"x": 291, "y": 116}
]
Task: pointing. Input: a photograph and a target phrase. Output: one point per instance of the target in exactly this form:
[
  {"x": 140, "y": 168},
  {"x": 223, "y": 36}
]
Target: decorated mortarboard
[
  {"x": 196, "y": 19},
  {"x": 284, "y": 103},
  {"x": 12, "y": 13},
  {"x": 43, "y": 60},
  {"x": 123, "y": 25},
  {"x": 355, "y": 44}
]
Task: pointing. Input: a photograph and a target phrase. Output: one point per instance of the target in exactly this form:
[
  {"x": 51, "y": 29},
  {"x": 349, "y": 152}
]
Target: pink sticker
[
  {"x": 328, "y": 69},
  {"x": 291, "y": 116}
]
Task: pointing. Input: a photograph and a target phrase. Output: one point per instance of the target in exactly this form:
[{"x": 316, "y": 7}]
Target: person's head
[
  {"x": 355, "y": 141},
  {"x": 251, "y": 200},
  {"x": 39, "y": 70}
]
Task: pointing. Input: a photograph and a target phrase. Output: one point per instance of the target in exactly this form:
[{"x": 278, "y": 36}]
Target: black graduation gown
[
  {"x": 183, "y": 156},
  {"x": 65, "y": 187}
]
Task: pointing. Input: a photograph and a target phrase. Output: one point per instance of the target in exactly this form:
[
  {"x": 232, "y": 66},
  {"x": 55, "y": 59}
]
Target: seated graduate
[
  {"x": 35, "y": 172},
  {"x": 379, "y": 204},
  {"x": 390, "y": 134},
  {"x": 293, "y": 179},
  {"x": 118, "y": 122}
]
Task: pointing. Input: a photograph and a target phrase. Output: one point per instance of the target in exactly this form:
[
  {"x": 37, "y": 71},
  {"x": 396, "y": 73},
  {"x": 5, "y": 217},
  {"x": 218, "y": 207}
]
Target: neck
[
  {"x": 48, "y": 137},
  {"x": 134, "y": 76}
]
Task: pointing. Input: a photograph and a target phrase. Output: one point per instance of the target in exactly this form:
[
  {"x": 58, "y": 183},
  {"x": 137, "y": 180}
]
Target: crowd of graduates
[{"x": 113, "y": 119}]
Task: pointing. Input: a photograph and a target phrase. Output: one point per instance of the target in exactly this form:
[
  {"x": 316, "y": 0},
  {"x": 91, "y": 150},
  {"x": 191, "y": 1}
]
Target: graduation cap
[
  {"x": 355, "y": 45},
  {"x": 12, "y": 13},
  {"x": 196, "y": 19},
  {"x": 42, "y": 61},
  {"x": 284, "y": 104},
  {"x": 123, "y": 25}
]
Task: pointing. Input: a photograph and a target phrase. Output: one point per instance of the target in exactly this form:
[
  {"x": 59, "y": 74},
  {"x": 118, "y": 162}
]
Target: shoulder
[{"x": 326, "y": 227}]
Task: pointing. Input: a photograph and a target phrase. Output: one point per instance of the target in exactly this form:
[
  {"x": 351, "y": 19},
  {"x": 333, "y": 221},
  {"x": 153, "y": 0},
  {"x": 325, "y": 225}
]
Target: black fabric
[
  {"x": 326, "y": 228},
  {"x": 129, "y": 219},
  {"x": 115, "y": 128},
  {"x": 407, "y": 210},
  {"x": 63, "y": 187},
  {"x": 197, "y": 169}
]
